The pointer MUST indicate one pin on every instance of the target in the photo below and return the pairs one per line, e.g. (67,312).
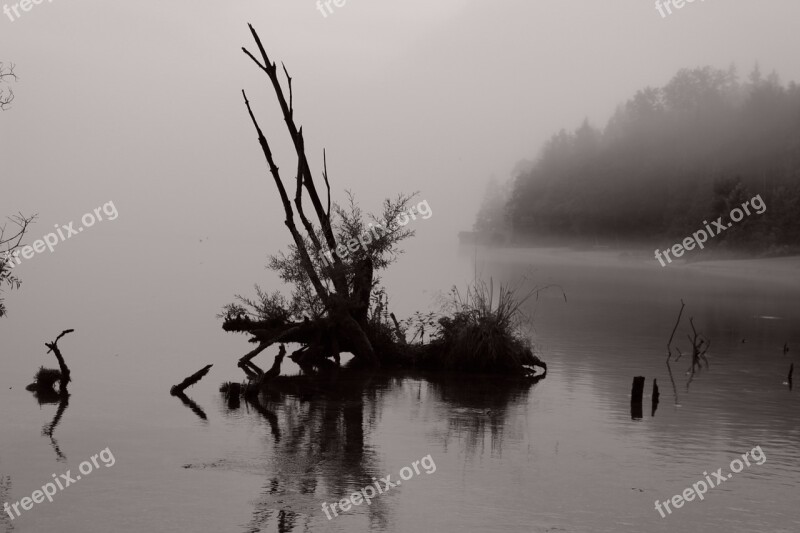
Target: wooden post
(636,397)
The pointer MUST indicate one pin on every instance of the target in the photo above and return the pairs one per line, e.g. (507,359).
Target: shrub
(481,336)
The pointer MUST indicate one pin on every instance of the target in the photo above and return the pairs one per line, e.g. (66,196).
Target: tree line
(668,159)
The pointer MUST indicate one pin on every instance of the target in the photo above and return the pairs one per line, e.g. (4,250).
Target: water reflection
(5,495)
(321,430)
(47,397)
(477,406)
(191,404)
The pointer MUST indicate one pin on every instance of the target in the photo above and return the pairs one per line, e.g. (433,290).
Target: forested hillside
(668,159)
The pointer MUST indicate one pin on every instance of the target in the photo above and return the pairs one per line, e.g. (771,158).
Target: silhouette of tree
(10,241)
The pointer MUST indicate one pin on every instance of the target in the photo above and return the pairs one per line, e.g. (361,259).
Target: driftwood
(47,377)
(53,347)
(191,380)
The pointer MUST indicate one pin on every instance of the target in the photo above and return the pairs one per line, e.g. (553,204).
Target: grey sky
(140,103)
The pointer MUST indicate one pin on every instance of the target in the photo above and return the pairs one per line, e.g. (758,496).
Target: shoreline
(782,270)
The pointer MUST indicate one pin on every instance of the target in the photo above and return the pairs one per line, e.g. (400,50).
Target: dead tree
(342,288)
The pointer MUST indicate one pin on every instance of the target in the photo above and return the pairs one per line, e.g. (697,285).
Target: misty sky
(139,103)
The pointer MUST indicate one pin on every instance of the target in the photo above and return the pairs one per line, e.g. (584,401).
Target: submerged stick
(191,380)
(65,373)
(669,352)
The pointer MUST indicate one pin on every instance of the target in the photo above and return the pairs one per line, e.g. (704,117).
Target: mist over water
(568,444)
(569,138)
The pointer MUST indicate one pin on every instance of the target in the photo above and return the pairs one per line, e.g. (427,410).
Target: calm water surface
(561,455)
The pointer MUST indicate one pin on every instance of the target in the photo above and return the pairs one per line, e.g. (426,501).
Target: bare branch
(327,184)
(291,106)
(6,95)
(301,247)
(296,134)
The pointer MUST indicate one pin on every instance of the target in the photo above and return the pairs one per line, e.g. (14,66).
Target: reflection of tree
(46,397)
(477,405)
(319,450)
(320,431)
(5,490)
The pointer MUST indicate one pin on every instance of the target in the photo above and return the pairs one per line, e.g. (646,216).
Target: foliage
(8,244)
(46,378)
(6,92)
(481,333)
(670,158)
(348,222)
(492,215)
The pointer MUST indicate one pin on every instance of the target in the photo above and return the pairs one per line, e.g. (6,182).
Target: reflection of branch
(48,429)
(188,402)
(669,352)
(5,490)
(271,418)
(699,349)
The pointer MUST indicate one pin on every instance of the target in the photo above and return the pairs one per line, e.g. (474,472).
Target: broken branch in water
(47,377)
(700,346)
(191,380)
(669,352)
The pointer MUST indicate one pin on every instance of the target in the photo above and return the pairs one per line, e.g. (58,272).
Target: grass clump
(45,379)
(483,331)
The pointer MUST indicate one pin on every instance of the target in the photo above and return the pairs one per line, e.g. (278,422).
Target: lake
(563,454)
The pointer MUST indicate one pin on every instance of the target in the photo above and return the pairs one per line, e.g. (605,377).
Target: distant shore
(783,270)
